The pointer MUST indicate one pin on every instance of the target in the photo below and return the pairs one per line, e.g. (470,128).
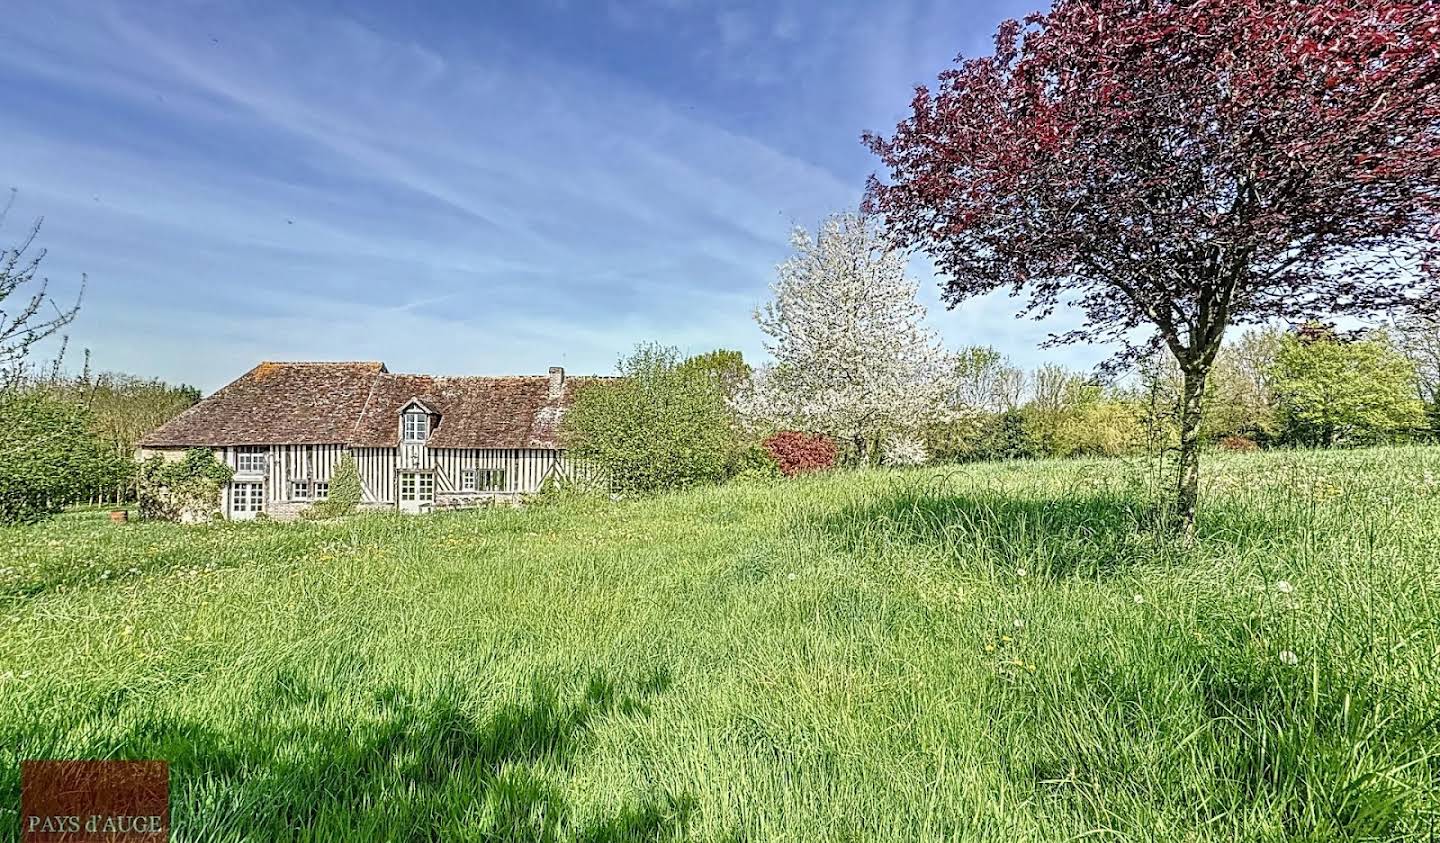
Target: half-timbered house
(420,442)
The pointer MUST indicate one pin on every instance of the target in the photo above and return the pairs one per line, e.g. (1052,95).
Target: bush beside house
(345,491)
(186,490)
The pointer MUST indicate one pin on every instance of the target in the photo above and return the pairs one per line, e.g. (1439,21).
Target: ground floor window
(482,480)
(304,490)
(247,497)
(417,487)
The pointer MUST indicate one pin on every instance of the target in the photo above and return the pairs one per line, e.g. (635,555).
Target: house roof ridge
(379,364)
(475,377)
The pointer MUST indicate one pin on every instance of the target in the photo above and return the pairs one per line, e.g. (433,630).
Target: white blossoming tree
(903,450)
(853,357)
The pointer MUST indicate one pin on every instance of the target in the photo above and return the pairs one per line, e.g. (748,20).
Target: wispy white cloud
(270,181)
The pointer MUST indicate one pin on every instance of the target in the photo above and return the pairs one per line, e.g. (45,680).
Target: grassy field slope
(998,652)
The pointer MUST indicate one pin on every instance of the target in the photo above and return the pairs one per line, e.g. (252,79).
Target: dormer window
(415,426)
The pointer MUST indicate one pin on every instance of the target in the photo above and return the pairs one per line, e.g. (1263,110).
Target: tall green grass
(999,652)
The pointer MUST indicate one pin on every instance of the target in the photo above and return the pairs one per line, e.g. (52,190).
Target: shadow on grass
(1310,753)
(1084,533)
(406,767)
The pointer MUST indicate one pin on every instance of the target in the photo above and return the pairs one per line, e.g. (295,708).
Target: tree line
(1308,386)
(855,367)
(64,439)
(72,439)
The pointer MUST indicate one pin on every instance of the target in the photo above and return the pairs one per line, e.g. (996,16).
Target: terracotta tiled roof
(276,404)
(359,404)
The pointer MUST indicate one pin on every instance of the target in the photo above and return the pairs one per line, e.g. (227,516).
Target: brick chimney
(557,382)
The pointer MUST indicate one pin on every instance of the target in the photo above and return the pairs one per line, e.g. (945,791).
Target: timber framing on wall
(296,421)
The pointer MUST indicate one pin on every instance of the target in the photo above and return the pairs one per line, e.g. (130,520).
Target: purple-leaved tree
(1180,166)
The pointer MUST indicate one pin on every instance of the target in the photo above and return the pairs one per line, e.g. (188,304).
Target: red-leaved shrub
(800,453)
(1238,443)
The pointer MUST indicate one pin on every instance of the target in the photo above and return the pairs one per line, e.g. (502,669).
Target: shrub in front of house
(801,453)
(186,490)
(345,491)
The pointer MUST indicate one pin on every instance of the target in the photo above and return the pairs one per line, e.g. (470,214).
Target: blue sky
(458,187)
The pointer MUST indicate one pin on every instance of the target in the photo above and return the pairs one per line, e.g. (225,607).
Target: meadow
(1010,651)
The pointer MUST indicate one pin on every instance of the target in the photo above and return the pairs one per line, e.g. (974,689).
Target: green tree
(1094,422)
(1053,391)
(663,424)
(985,380)
(725,367)
(345,491)
(122,408)
(1419,338)
(1240,393)
(49,457)
(1333,391)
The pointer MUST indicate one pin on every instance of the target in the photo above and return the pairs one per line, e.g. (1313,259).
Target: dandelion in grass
(1139,598)
(1284,587)
(1019,624)
(1289,657)
(1020,572)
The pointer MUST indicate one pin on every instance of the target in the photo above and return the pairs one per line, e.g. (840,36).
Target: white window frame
(467,480)
(247,497)
(414,426)
(250,459)
(321,491)
(300,490)
(418,486)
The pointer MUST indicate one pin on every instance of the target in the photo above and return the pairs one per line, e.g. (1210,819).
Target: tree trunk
(1192,405)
